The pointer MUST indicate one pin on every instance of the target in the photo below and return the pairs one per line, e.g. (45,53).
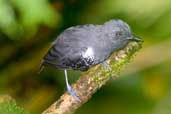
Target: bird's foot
(106,66)
(72,92)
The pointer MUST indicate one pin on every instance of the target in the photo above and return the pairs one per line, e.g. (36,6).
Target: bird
(82,46)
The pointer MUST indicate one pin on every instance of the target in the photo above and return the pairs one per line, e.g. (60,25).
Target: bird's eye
(118,33)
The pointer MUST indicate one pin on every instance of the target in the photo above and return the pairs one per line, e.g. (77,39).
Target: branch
(93,80)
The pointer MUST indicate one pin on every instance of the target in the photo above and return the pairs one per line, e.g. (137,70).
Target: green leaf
(10,107)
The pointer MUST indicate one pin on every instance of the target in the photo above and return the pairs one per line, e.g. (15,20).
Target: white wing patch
(89,53)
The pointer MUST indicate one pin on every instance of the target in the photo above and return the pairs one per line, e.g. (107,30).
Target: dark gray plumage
(83,46)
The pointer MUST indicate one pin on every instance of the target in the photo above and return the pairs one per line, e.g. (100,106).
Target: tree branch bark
(93,80)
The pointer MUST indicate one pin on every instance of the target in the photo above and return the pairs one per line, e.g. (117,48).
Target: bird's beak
(135,39)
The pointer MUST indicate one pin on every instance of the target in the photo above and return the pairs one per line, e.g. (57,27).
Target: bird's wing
(77,36)
(69,46)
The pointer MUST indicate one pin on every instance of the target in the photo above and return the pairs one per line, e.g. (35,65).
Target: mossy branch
(93,79)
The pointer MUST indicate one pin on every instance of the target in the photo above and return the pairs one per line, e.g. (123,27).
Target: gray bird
(83,46)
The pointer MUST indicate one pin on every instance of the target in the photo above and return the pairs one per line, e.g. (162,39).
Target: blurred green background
(27,28)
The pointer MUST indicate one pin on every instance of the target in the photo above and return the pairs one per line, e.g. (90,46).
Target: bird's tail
(41,67)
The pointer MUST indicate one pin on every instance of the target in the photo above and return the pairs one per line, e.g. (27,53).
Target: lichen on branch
(93,79)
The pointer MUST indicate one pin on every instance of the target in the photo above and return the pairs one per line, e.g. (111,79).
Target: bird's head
(119,33)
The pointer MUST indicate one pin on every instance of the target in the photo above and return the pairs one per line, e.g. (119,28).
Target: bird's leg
(106,66)
(69,88)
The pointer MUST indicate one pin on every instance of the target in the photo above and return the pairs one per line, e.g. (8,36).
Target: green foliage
(30,15)
(10,107)
(8,22)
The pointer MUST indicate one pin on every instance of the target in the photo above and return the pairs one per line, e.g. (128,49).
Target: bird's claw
(73,93)
(106,66)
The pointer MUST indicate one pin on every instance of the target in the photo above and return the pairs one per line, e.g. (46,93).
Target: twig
(92,80)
